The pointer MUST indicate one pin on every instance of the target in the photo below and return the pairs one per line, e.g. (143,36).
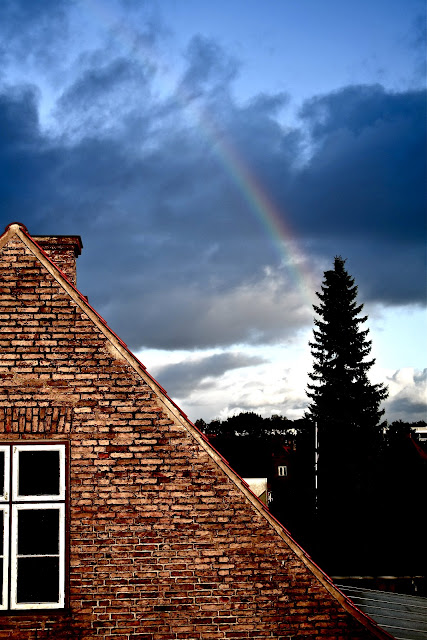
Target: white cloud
(407,395)
(271,380)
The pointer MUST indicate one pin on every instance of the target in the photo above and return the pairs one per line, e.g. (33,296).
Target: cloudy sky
(215,157)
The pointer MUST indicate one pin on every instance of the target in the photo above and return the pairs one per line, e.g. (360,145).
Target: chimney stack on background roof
(63,251)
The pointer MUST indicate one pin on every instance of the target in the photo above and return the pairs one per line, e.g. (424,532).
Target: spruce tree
(342,396)
(346,409)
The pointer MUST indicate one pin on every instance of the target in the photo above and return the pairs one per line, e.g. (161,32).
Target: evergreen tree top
(341,391)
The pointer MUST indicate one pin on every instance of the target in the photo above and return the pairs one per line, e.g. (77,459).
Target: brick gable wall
(163,544)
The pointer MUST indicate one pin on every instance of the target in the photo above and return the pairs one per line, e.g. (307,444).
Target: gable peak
(14,226)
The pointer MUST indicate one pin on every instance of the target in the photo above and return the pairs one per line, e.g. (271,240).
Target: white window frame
(15,479)
(282,470)
(11,503)
(4,507)
(14,556)
(6,486)
(4,577)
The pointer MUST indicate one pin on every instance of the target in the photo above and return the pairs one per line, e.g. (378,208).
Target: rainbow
(270,217)
(265,210)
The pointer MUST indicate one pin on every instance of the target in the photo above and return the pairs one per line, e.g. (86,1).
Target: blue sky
(215,157)
(308,47)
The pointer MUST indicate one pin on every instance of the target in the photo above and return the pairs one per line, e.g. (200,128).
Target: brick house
(119,518)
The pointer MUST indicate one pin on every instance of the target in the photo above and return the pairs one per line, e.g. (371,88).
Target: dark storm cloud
(27,162)
(183,377)
(174,253)
(363,190)
(97,90)
(367,173)
(19,120)
(191,315)
(406,406)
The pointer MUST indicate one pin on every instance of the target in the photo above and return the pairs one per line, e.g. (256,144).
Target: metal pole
(316,459)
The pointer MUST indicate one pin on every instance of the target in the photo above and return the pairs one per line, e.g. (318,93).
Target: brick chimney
(63,251)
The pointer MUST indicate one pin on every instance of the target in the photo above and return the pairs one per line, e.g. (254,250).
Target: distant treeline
(254,425)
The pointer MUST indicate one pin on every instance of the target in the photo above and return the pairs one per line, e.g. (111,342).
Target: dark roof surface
(404,617)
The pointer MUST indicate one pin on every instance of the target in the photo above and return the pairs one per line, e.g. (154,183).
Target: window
(282,470)
(32,517)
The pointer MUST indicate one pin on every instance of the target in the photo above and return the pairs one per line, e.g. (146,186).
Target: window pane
(38,531)
(38,580)
(1,535)
(1,473)
(38,473)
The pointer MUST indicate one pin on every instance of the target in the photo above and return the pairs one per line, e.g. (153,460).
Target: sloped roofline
(175,413)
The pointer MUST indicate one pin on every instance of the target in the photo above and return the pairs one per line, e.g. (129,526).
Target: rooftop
(402,616)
